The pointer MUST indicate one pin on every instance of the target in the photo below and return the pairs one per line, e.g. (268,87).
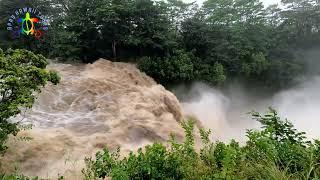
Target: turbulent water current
(108,104)
(95,105)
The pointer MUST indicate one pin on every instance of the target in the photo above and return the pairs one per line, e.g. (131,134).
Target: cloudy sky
(266,2)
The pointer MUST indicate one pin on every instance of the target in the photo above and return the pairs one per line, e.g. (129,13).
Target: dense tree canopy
(175,41)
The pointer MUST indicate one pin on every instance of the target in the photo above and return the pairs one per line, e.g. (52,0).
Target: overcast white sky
(266,2)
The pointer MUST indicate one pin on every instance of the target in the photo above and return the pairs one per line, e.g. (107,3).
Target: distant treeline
(178,42)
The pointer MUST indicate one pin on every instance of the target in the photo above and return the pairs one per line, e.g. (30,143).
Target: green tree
(21,74)
(176,68)
(300,22)
(178,12)
(79,27)
(249,41)
(115,22)
(152,33)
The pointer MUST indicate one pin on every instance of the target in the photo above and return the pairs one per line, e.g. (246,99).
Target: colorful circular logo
(27,21)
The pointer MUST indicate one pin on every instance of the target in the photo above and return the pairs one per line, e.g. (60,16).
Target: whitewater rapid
(109,104)
(104,104)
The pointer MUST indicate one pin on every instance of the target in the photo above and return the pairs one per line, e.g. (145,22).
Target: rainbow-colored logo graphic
(27,22)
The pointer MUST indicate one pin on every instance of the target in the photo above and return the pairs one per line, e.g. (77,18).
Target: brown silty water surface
(96,105)
(113,104)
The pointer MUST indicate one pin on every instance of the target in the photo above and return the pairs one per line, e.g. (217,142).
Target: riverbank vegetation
(174,41)
(277,151)
(22,74)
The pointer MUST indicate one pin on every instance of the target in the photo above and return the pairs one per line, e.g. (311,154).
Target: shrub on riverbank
(277,151)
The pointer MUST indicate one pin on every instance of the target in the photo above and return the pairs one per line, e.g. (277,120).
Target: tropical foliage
(22,73)
(220,40)
(277,151)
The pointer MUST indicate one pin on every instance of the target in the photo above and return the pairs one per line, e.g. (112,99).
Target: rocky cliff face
(95,105)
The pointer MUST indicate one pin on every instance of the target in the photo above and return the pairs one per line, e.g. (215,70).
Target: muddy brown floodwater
(114,104)
(95,105)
